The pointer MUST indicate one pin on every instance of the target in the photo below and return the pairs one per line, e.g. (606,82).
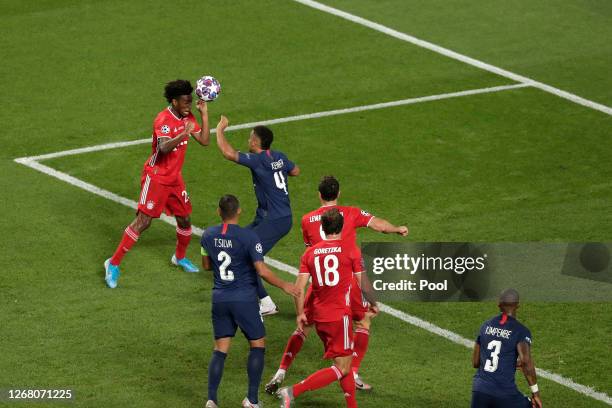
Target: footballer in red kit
(331,263)
(162,185)
(361,310)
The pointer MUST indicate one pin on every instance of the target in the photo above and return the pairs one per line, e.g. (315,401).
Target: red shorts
(359,306)
(156,198)
(337,337)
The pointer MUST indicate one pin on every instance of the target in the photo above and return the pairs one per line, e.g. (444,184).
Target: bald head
(508,301)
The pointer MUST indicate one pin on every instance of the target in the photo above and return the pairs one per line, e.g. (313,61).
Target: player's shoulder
(164,114)
(310,214)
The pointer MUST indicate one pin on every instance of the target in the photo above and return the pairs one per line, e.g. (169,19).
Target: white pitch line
(295,118)
(413,320)
(455,55)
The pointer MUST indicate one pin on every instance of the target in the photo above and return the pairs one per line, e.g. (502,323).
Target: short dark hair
(228,206)
(332,221)
(329,188)
(509,297)
(175,89)
(265,135)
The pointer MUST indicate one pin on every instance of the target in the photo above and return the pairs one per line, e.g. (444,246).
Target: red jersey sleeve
(162,127)
(361,218)
(357,260)
(304,263)
(305,233)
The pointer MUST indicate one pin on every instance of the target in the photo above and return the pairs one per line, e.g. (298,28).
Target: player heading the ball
(162,185)
(235,255)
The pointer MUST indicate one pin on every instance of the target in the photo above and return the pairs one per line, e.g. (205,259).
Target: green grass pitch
(517,165)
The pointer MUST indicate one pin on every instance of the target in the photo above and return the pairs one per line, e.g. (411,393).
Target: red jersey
(353,218)
(166,168)
(331,264)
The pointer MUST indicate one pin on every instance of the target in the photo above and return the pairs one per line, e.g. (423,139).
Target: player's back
(233,251)
(353,218)
(270,171)
(331,264)
(498,340)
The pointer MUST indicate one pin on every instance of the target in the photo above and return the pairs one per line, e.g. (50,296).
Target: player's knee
(141,223)
(183,222)
(344,367)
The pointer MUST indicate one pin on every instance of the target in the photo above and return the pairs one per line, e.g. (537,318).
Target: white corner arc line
(455,55)
(295,118)
(413,320)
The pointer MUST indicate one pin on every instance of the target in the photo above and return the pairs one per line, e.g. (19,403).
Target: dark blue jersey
(498,340)
(233,250)
(269,170)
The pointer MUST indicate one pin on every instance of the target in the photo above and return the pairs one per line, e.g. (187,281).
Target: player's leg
(293,347)
(481,400)
(362,320)
(224,328)
(247,317)
(152,200)
(180,205)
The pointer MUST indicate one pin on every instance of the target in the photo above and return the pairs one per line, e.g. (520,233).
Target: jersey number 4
(225,260)
(279,179)
(492,363)
(330,264)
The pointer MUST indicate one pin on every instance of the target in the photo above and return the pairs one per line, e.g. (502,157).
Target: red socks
(320,379)
(348,386)
(294,345)
(183,237)
(360,347)
(129,239)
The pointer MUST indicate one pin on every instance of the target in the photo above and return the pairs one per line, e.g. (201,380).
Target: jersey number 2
(225,260)
(491,364)
(330,263)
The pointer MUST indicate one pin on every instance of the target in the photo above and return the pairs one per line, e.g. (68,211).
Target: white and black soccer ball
(208,88)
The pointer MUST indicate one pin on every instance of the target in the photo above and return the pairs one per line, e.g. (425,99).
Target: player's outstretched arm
(529,370)
(295,171)
(203,136)
(476,356)
(226,148)
(269,276)
(166,144)
(384,226)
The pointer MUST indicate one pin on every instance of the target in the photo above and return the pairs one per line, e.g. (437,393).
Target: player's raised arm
(270,277)
(524,351)
(203,136)
(384,226)
(226,148)
(167,144)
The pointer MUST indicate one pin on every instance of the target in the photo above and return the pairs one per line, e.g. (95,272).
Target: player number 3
(330,263)
(491,364)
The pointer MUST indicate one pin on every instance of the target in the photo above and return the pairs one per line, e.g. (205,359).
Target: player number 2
(225,260)
(330,263)
(491,364)
(279,179)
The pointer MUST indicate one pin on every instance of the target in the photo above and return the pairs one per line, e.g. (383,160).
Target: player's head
(229,207)
(178,94)
(508,301)
(260,139)
(329,188)
(332,222)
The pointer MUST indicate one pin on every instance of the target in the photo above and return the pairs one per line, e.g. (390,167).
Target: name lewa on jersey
(497,332)
(223,243)
(317,218)
(329,250)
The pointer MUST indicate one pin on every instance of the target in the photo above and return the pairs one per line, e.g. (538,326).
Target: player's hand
(202,107)
(374,310)
(301,321)
(403,231)
(536,402)
(223,123)
(189,126)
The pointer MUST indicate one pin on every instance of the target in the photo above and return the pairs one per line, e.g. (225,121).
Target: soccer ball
(208,88)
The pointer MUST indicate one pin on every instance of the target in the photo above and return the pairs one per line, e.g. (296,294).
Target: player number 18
(330,263)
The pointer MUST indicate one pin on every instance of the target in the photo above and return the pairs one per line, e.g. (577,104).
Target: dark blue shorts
(270,231)
(228,316)
(482,400)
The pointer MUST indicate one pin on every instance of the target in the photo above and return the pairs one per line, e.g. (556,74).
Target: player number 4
(225,260)
(491,364)
(279,179)
(330,263)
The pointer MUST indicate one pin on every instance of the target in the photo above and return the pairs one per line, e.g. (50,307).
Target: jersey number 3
(330,264)
(225,260)
(491,364)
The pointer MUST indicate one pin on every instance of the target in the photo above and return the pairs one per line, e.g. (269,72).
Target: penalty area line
(295,118)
